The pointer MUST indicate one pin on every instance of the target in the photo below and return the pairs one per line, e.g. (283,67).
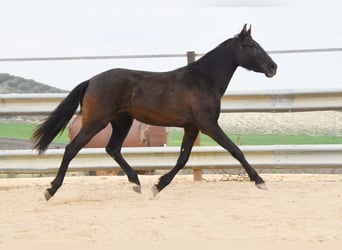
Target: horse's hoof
(137,188)
(154,191)
(47,195)
(261,186)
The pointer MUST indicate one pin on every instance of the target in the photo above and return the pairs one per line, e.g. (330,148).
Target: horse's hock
(140,135)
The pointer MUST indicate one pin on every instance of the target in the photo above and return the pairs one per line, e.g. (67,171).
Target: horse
(188,97)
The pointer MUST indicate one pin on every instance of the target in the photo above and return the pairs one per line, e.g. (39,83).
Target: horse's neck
(217,67)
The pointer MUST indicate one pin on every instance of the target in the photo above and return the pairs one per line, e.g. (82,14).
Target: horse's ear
(244,30)
(249,31)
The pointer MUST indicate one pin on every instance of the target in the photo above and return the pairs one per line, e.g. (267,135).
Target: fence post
(191,57)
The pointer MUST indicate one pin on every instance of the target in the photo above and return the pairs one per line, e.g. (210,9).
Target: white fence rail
(212,157)
(282,101)
(256,101)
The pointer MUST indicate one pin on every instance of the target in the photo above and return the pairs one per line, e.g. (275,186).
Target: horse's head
(250,55)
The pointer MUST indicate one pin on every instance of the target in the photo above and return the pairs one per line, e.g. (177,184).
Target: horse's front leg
(214,131)
(190,135)
(121,126)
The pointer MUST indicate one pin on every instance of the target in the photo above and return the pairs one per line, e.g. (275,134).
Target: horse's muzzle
(271,70)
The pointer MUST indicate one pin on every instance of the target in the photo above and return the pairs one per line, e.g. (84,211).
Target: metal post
(191,57)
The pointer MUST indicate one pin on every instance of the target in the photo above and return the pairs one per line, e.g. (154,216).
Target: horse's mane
(225,43)
(212,54)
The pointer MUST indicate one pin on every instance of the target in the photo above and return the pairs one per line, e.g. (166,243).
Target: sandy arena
(104,211)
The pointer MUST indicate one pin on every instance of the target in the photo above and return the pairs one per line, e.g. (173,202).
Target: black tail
(57,121)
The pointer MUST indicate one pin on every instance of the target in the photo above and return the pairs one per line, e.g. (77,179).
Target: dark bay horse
(187,97)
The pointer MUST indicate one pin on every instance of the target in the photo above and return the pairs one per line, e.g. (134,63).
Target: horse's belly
(161,118)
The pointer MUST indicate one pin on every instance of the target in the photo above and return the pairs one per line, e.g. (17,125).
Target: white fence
(290,156)
(270,157)
(256,101)
(213,157)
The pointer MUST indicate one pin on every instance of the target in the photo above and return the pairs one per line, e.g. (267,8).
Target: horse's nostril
(271,70)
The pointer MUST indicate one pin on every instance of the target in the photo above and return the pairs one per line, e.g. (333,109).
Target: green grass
(24,131)
(246,139)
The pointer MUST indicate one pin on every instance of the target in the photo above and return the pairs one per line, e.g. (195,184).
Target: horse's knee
(112,151)
(108,150)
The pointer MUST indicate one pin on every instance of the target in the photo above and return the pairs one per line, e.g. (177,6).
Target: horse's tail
(57,121)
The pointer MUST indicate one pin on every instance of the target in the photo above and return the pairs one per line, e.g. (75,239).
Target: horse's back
(121,80)
(156,98)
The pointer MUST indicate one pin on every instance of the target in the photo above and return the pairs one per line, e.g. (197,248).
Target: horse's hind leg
(121,125)
(71,150)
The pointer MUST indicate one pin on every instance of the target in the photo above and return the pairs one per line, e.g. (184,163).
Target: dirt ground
(296,211)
